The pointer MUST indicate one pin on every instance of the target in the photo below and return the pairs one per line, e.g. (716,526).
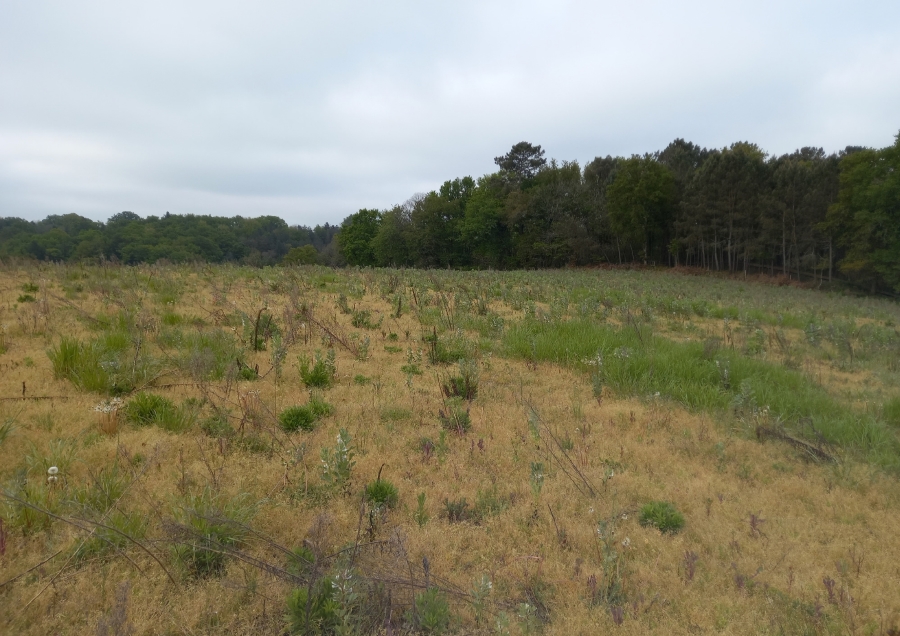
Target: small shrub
(217,426)
(318,374)
(430,612)
(455,418)
(362,319)
(464,385)
(337,463)
(147,409)
(304,418)
(381,494)
(891,411)
(661,515)
(207,526)
(30,288)
(111,536)
(457,510)
(315,612)
(361,380)
(26,298)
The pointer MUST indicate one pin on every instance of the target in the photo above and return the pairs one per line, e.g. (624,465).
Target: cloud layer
(311,112)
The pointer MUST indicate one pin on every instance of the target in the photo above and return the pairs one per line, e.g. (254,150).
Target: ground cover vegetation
(240,450)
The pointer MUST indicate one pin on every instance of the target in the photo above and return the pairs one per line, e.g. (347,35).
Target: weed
(319,374)
(430,612)
(304,418)
(217,425)
(457,510)
(313,609)
(381,494)
(337,463)
(464,385)
(206,527)
(455,418)
(114,535)
(661,515)
(146,409)
(421,514)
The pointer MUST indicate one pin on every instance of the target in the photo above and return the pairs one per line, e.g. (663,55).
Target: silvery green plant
(337,463)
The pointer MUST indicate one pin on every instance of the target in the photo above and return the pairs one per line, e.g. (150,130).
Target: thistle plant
(537,478)
(337,463)
(481,589)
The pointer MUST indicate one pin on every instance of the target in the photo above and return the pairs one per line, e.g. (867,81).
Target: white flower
(51,479)
(624,515)
(52,470)
(626,542)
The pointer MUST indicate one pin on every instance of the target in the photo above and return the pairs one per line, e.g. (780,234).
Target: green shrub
(149,409)
(112,536)
(102,492)
(107,364)
(381,494)
(318,374)
(315,613)
(25,298)
(455,419)
(207,526)
(891,411)
(30,288)
(464,385)
(430,612)
(661,515)
(217,425)
(304,418)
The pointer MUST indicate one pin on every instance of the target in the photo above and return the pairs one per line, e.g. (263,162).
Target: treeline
(807,215)
(130,239)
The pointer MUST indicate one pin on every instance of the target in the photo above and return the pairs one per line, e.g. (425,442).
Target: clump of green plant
(381,494)
(362,319)
(112,536)
(456,418)
(206,527)
(304,417)
(105,488)
(661,515)
(30,288)
(430,612)
(445,350)
(26,298)
(217,425)
(26,511)
(313,609)
(148,409)
(891,411)
(320,373)
(260,330)
(464,385)
(421,515)
(6,429)
(337,463)
(110,364)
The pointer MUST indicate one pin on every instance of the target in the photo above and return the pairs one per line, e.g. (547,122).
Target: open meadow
(227,450)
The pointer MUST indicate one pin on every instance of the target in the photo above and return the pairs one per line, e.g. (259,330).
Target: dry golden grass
(815,522)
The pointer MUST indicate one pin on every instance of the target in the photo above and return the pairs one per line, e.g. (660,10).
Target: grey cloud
(313,110)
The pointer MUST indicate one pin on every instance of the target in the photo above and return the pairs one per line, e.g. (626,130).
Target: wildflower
(51,479)
(53,470)
(626,542)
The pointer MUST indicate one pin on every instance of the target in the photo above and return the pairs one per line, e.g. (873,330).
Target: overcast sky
(310,111)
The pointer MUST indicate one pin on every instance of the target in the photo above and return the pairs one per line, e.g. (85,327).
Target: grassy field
(222,450)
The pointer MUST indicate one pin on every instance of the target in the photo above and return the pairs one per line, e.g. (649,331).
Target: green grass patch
(636,362)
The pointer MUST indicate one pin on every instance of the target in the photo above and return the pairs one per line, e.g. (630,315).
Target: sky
(311,111)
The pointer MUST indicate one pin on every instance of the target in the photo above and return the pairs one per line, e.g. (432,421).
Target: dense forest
(805,215)
(130,239)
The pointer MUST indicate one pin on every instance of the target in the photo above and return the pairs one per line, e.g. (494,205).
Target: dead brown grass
(812,522)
